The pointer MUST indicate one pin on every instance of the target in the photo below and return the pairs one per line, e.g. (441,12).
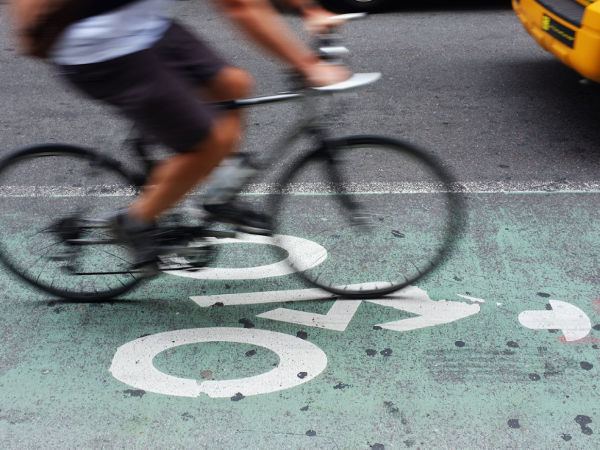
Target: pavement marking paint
(411,299)
(467,187)
(337,318)
(307,254)
(487,375)
(256,298)
(430,313)
(132,363)
(572,321)
(472,299)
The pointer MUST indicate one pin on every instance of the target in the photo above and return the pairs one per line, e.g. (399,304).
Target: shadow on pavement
(435,5)
(566,106)
(446,5)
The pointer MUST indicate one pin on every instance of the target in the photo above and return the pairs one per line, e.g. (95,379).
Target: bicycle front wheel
(45,191)
(385,211)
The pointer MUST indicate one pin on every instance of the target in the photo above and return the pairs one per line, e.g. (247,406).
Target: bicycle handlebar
(329,48)
(328,45)
(349,16)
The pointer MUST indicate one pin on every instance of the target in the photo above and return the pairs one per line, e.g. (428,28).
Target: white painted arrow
(337,318)
(430,313)
(572,321)
(411,299)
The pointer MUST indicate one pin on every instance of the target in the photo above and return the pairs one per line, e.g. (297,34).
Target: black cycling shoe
(142,238)
(242,215)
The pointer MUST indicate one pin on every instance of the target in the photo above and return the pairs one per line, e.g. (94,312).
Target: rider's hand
(320,74)
(318,20)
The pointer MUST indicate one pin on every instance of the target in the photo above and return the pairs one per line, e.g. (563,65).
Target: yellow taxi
(569,29)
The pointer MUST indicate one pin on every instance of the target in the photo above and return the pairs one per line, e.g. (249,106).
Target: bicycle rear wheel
(50,187)
(386,212)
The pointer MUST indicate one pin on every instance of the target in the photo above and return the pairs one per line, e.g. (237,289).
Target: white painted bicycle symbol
(133,362)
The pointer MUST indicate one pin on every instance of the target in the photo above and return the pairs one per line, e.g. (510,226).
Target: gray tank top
(126,30)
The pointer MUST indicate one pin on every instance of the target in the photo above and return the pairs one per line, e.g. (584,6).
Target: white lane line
(105,190)
(468,187)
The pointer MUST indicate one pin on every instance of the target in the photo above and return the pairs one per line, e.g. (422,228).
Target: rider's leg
(155,89)
(177,175)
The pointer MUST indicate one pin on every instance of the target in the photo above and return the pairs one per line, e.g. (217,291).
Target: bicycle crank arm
(93,241)
(141,271)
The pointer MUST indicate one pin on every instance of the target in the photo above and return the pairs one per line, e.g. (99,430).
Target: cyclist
(161,76)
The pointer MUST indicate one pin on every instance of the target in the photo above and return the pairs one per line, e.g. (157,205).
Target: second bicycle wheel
(385,212)
(45,191)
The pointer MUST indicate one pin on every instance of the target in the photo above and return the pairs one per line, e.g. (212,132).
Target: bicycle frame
(311,123)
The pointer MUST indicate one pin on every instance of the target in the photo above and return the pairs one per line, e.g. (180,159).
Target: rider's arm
(266,27)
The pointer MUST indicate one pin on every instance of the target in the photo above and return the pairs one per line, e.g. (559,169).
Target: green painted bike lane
(499,348)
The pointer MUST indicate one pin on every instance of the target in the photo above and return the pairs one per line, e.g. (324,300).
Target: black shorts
(157,88)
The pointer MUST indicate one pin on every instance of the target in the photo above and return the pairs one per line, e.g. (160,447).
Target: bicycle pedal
(256,231)
(62,257)
(173,267)
(148,271)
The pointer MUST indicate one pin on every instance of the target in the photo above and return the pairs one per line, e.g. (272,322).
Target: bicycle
(398,230)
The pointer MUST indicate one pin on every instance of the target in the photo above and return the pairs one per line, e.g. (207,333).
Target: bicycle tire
(400,231)
(69,180)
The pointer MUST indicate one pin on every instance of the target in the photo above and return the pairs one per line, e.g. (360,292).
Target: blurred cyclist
(132,55)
